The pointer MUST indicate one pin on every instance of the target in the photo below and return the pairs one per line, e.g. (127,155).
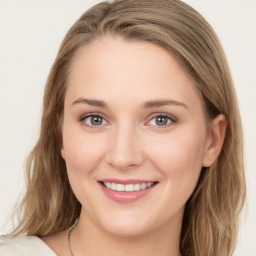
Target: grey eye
(160,121)
(94,120)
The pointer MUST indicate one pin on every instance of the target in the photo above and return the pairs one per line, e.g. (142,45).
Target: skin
(130,144)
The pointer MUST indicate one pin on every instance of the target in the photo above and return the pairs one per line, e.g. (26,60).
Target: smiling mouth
(128,187)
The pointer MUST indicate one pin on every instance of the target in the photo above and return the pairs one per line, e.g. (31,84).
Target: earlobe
(215,142)
(60,132)
(62,151)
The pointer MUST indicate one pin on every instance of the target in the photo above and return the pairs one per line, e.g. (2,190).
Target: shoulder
(24,246)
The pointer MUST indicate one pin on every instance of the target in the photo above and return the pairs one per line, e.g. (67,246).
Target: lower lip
(125,197)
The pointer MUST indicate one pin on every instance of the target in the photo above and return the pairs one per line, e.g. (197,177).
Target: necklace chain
(69,234)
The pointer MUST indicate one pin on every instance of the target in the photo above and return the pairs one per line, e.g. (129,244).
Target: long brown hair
(211,215)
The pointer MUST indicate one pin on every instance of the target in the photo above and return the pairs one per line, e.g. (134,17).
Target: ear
(62,151)
(60,134)
(215,140)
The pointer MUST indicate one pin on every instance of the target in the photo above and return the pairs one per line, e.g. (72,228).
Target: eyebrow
(160,103)
(147,104)
(92,102)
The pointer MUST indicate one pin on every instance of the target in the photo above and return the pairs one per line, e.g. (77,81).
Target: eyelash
(82,119)
(172,120)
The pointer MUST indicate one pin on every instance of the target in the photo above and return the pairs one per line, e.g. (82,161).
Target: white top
(24,246)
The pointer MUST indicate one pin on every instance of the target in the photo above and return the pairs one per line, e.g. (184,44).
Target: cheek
(179,158)
(82,152)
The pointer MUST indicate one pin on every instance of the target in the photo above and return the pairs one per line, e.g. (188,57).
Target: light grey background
(30,34)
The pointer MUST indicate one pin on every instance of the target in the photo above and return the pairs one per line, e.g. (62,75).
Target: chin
(127,229)
(132,223)
(124,222)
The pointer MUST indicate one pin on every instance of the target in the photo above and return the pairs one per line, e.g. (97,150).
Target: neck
(87,238)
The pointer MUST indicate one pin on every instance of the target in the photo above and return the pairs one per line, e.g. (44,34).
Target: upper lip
(128,181)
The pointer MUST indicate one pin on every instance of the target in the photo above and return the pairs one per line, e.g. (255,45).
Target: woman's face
(133,121)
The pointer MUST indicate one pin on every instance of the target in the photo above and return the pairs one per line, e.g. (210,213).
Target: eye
(161,120)
(93,120)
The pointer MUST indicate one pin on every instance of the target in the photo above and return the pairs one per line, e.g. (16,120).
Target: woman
(140,150)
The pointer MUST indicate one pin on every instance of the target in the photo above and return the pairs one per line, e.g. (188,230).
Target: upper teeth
(127,187)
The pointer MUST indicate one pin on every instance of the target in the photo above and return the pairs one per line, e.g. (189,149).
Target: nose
(125,148)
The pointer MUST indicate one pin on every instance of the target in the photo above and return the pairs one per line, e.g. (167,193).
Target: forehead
(113,68)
